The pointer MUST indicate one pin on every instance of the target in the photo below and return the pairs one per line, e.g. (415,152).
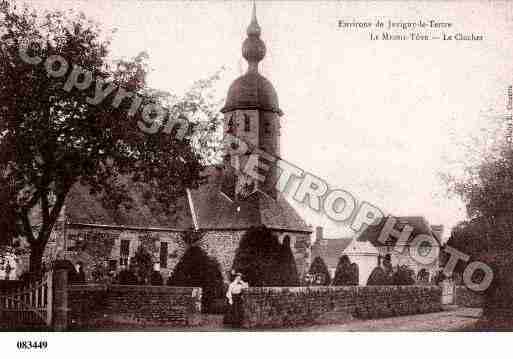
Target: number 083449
(28,344)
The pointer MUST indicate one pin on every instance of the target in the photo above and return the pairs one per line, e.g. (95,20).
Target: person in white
(234,295)
(236,288)
(13,269)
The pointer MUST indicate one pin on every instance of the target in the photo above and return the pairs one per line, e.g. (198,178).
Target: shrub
(346,272)
(99,272)
(403,276)
(499,295)
(423,276)
(319,271)
(142,265)
(264,261)
(438,277)
(156,278)
(287,269)
(127,277)
(378,277)
(197,269)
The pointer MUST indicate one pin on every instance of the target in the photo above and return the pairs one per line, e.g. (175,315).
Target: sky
(379,119)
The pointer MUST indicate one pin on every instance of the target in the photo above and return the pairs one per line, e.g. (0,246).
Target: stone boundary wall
(97,306)
(468,298)
(293,306)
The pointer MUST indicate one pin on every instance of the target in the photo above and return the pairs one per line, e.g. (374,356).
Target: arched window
(247,123)
(286,241)
(231,125)
(267,127)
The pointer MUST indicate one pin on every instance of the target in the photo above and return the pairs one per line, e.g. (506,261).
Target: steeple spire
(254,28)
(253,48)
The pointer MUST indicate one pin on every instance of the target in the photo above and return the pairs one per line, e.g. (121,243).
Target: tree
(56,132)
(481,175)
(263,261)
(319,271)
(485,185)
(346,272)
(156,278)
(403,275)
(473,238)
(378,277)
(197,269)
(9,226)
(287,269)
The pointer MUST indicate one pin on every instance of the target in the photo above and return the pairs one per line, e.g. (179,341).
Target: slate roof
(357,247)
(419,224)
(213,209)
(82,207)
(216,211)
(252,91)
(330,249)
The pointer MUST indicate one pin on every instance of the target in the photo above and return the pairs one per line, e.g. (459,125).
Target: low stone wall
(468,298)
(97,306)
(293,306)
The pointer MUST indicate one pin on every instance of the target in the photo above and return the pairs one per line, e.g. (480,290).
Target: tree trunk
(36,258)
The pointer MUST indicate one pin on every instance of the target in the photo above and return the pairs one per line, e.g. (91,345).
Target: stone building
(213,217)
(367,252)
(364,254)
(329,249)
(401,254)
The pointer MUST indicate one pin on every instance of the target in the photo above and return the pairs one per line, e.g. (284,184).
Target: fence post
(49,297)
(59,297)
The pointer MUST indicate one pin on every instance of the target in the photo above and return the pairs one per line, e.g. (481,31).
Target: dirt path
(451,320)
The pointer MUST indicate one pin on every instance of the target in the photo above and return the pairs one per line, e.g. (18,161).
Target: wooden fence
(28,306)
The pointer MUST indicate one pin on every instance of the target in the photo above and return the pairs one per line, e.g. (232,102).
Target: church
(213,217)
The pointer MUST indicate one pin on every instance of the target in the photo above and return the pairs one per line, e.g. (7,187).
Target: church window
(247,124)
(163,254)
(286,241)
(267,127)
(112,265)
(124,252)
(231,125)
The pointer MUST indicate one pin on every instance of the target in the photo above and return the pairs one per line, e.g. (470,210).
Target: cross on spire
(253,48)
(254,28)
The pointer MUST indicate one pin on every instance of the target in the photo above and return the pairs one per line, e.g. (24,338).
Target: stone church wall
(95,247)
(223,245)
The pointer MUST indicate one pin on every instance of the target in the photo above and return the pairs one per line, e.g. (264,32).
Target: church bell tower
(252,114)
